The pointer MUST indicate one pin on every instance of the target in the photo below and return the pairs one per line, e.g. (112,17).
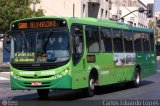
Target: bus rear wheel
(137,79)
(43,93)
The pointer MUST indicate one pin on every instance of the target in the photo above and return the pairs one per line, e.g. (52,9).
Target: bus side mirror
(6,39)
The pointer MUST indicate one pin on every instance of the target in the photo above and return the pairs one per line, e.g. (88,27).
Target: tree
(11,10)
(151,24)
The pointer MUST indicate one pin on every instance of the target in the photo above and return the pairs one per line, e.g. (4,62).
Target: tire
(43,93)
(91,88)
(137,79)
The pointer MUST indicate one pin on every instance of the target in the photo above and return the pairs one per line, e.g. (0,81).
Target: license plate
(36,83)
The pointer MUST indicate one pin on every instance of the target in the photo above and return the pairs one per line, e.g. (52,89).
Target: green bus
(49,53)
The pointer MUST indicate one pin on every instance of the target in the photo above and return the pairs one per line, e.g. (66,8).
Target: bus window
(117,40)
(77,39)
(145,41)
(128,41)
(106,40)
(137,42)
(92,39)
(152,41)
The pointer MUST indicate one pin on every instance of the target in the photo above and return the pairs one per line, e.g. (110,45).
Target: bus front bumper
(64,82)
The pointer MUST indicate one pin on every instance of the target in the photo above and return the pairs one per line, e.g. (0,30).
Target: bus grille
(32,77)
(39,67)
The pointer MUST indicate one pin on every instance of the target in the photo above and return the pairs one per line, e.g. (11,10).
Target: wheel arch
(94,73)
(139,67)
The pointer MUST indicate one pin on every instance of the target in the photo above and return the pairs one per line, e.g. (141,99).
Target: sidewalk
(4,76)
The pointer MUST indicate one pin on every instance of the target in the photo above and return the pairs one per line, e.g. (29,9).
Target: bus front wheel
(43,93)
(91,86)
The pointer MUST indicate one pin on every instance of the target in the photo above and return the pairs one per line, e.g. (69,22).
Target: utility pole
(155,22)
(73,10)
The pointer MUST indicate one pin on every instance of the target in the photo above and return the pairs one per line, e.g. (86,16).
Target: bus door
(78,57)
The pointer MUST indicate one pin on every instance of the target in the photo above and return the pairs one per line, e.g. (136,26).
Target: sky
(157,3)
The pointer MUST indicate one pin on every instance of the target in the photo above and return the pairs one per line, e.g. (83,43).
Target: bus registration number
(36,83)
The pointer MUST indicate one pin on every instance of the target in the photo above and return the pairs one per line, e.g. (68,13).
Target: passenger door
(78,57)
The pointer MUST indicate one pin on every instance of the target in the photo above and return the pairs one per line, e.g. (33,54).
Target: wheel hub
(137,78)
(92,84)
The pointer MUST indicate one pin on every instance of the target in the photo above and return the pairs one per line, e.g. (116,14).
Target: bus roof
(92,21)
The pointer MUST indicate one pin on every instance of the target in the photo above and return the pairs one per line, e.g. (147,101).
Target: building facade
(157,14)
(76,8)
(123,7)
(148,1)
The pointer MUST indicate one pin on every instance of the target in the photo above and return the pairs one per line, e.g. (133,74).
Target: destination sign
(31,24)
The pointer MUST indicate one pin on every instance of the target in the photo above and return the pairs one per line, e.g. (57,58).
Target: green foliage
(11,10)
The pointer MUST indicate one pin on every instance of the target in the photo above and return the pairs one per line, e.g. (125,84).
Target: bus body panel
(147,63)
(59,78)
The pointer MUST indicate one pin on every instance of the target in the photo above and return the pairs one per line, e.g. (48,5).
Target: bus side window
(145,40)
(106,40)
(77,42)
(137,42)
(128,41)
(92,39)
(117,40)
(152,41)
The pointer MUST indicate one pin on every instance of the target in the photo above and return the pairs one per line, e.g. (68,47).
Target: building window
(130,23)
(102,13)
(106,14)
(84,10)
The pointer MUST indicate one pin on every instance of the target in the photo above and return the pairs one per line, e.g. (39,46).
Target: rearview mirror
(6,38)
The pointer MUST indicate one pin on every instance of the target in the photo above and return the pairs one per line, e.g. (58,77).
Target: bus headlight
(15,76)
(66,70)
(59,75)
(11,72)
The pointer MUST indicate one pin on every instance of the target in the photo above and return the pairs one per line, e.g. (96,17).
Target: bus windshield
(39,46)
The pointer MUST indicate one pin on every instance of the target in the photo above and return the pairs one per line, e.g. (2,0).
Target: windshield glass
(40,46)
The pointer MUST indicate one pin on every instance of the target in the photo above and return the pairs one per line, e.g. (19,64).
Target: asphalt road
(149,90)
